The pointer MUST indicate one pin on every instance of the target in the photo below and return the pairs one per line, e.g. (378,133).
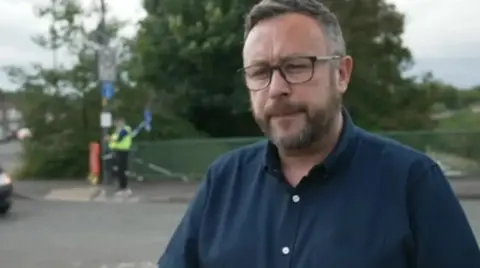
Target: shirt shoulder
(393,155)
(245,157)
(232,175)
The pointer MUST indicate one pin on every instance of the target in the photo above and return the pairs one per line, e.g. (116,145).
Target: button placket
(286,249)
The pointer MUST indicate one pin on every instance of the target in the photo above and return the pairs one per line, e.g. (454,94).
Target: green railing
(458,153)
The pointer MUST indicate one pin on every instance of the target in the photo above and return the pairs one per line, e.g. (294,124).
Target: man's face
(119,124)
(294,116)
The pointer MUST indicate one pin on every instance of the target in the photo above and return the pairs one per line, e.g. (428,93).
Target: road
(472,208)
(46,234)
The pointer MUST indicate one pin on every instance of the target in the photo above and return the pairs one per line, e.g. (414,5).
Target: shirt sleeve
(442,235)
(182,250)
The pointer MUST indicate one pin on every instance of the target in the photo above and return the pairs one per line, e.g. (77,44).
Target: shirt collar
(338,158)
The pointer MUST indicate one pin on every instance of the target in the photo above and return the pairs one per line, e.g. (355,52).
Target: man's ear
(344,73)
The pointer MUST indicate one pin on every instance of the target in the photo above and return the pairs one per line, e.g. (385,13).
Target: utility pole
(105,109)
(106,60)
(102,40)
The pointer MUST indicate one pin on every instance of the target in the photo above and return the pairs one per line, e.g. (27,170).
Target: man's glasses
(294,71)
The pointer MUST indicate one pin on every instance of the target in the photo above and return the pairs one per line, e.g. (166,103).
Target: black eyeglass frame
(278,67)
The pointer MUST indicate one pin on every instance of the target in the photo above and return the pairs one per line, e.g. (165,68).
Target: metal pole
(102,40)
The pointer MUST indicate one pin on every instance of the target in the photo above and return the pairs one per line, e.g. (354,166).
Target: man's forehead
(283,36)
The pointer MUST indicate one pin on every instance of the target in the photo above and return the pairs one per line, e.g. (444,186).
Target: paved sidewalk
(31,189)
(161,191)
(164,191)
(82,191)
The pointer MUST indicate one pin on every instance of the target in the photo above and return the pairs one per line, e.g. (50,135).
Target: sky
(443,35)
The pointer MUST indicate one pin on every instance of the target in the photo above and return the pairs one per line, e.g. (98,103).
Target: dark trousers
(121,161)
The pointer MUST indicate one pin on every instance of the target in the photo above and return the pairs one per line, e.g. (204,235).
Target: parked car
(6,187)
(6,192)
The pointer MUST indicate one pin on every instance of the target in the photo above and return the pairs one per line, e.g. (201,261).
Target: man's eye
(258,73)
(296,66)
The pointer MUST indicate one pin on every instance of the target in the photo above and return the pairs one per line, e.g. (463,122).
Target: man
(321,192)
(120,142)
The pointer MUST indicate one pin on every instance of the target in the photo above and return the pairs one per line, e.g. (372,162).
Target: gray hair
(267,9)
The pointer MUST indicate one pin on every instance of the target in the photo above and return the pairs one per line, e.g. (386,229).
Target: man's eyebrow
(295,55)
(257,62)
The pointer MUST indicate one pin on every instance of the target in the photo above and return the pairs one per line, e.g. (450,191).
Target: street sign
(107,89)
(106,119)
(147,115)
(107,64)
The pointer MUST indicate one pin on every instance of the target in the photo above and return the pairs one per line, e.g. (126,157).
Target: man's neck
(317,153)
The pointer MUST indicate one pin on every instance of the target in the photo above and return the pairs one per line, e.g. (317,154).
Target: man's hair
(267,9)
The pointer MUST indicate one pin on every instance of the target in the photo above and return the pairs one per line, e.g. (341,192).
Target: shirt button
(295,198)
(285,250)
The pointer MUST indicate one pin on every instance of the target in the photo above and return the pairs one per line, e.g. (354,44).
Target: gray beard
(301,141)
(318,127)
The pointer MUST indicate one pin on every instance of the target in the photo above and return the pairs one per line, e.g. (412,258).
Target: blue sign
(107,90)
(147,115)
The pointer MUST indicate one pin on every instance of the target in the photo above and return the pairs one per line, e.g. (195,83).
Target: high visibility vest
(123,145)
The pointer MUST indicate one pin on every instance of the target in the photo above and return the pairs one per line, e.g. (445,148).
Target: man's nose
(278,85)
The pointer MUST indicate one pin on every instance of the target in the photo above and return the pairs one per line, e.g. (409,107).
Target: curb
(75,194)
(45,196)
(170,199)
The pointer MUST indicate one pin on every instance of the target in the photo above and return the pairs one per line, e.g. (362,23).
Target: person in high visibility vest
(120,143)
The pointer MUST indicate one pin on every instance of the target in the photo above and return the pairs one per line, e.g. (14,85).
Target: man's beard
(317,127)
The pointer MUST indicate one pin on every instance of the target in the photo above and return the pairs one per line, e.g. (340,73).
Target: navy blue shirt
(373,203)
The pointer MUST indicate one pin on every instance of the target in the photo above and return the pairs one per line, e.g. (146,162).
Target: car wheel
(4,209)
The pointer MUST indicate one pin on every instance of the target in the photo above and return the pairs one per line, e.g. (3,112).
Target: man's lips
(288,117)
(290,114)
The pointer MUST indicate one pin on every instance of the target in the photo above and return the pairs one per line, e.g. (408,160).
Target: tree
(61,104)
(191,50)
(379,97)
